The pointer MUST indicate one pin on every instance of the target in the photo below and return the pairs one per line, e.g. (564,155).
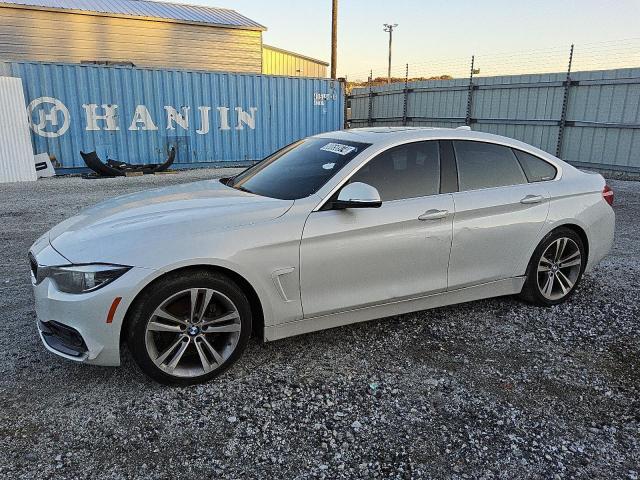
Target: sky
(440,36)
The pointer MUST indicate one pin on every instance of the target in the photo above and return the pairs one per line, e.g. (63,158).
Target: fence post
(467,120)
(345,107)
(406,94)
(565,101)
(369,118)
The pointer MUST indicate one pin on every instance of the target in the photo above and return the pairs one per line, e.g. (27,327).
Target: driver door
(355,258)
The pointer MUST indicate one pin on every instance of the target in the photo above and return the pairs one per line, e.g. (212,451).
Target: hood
(170,212)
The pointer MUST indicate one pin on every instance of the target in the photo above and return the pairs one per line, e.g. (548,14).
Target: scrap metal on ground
(114,168)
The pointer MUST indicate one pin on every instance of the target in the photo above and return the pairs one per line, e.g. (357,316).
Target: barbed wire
(610,54)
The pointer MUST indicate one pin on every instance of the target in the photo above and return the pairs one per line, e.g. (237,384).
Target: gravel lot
(491,389)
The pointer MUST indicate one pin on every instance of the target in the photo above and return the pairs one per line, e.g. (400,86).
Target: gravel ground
(491,389)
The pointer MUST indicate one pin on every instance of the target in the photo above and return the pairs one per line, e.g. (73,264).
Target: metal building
(140,33)
(276,61)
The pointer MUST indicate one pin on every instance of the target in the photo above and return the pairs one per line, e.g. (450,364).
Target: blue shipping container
(136,115)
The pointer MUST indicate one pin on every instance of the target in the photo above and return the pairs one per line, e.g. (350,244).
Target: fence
(591,119)
(136,115)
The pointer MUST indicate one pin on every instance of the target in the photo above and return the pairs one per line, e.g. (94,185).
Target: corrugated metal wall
(276,61)
(602,119)
(599,105)
(208,116)
(16,154)
(39,35)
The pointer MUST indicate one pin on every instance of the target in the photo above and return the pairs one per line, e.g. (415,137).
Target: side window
(406,171)
(536,169)
(485,165)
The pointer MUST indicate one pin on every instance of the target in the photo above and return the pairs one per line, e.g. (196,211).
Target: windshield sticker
(328,166)
(338,148)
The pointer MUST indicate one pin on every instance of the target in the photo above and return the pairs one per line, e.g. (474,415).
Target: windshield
(298,170)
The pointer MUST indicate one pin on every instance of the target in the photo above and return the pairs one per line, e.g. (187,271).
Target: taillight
(607,194)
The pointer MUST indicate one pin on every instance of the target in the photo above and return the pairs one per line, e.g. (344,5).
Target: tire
(189,327)
(545,267)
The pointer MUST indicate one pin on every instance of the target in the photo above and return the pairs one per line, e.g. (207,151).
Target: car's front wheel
(189,327)
(555,268)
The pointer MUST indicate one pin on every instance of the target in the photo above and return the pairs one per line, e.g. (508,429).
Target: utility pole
(388,27)
(334,38)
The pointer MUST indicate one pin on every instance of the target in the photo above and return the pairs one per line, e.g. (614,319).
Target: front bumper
(77,326)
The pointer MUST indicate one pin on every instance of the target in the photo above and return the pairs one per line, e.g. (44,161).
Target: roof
(294,54)
(176,12)
(388,136)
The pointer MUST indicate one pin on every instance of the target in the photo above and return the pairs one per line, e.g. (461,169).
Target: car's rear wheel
(555,268)
(189,328)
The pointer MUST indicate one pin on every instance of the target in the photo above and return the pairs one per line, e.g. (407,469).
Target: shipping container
(136,115)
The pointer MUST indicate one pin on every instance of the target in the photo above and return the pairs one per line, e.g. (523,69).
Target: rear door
(358,257)
(499,214)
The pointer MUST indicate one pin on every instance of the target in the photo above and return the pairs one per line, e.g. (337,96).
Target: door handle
(532,199)
(433,214)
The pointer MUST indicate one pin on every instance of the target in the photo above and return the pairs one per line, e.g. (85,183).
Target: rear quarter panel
(576,199)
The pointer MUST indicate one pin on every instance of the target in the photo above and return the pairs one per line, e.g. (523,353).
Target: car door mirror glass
(357,195)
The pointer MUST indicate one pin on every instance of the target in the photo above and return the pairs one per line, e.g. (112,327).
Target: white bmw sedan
(333,229)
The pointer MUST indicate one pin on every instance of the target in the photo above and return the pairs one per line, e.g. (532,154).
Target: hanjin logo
(45,117)
(50,118)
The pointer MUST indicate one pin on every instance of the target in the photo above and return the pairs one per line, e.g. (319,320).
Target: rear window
(298,170)
(536,169)
(486,165)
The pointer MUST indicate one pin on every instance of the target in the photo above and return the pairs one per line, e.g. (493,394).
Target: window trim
(448,159)
(329,197)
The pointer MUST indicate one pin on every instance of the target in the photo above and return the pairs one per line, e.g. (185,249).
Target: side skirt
(509,286)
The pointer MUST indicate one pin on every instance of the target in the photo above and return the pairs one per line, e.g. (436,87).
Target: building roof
(146,9)
(289,52)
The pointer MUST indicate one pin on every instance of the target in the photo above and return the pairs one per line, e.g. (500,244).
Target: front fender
(262,291)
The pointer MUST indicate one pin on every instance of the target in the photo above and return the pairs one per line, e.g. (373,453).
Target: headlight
(83,278)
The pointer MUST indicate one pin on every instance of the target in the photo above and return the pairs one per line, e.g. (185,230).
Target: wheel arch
(257,311)
(579,230)
(527,292)
(581,233)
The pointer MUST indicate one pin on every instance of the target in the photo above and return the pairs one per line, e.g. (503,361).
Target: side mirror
(357,195)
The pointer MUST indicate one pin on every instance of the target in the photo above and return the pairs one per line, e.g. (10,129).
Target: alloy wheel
(559,268)
(193,332)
